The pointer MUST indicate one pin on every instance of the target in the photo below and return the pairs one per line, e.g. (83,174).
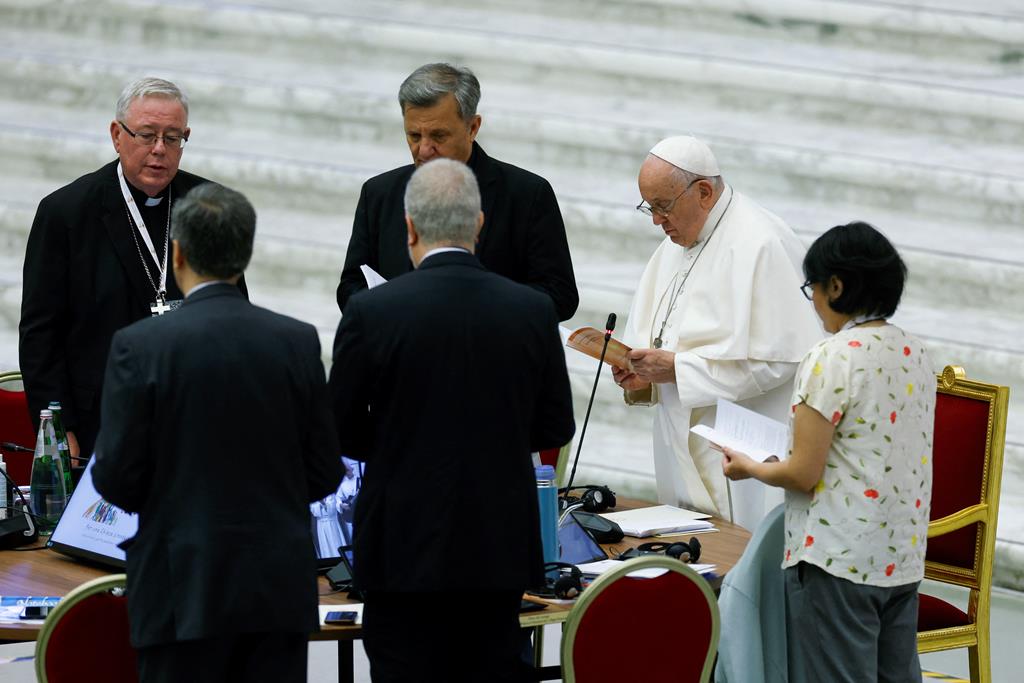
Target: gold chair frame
(572,622)
(102,584)
(974,636)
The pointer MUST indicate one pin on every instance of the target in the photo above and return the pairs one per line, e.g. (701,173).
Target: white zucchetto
(688,153)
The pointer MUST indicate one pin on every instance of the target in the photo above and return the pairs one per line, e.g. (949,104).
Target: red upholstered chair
(85,637)
(16,426)
(655,630)
(557,458)
(967,465)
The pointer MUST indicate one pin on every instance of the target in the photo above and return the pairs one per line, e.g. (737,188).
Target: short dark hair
(215,227)
(871,270)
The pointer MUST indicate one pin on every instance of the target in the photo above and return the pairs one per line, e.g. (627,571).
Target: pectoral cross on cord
(159,307)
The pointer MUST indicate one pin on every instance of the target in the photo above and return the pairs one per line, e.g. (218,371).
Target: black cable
(22,511)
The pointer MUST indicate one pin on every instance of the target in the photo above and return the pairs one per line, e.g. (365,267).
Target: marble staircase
(908,114)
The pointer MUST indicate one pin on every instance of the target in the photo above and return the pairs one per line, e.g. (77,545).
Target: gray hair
(443,200)
(429,83)
(215,227)
(148,87)
(681,175)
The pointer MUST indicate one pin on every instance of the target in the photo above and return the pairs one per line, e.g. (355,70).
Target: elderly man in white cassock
(718,314)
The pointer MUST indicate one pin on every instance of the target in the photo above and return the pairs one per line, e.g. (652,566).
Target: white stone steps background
(906,114)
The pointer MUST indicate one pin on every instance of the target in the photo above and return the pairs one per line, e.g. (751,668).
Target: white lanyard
(140,225)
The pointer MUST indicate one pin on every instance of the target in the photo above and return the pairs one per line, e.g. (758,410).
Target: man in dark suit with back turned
(217,431)
(523,237)
(444,381)
(97,257)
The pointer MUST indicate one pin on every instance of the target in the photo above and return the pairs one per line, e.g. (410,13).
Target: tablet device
(576,544)
(91,528)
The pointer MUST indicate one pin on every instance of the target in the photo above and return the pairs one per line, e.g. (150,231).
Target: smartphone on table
(341,618)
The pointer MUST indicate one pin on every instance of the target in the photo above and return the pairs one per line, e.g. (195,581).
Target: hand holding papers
(659,519)
(746,431)
(590,341)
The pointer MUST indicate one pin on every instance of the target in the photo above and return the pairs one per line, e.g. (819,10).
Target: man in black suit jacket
(217,431)
(523,237)
(444,381)
(88,268)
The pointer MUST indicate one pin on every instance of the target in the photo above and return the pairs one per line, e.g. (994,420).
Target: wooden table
(45,572)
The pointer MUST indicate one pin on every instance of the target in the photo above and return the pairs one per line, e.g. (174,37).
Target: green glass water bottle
(63,447)
(49,496)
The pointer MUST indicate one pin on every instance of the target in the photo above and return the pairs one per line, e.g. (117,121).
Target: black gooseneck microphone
(11,446)
(609,327)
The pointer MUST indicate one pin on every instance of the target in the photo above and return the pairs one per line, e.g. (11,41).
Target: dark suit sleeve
(549,265)
(360,250)
(553,424)
(350,386)
(320,442)
(124,467)
(44,329)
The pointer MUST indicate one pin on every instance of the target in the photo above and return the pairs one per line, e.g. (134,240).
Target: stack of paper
(660,519)
(591,569)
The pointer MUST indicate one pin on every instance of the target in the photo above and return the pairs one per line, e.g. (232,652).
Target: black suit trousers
(444,637)
(278,657)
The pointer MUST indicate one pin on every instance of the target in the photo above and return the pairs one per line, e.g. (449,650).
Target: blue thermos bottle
(547,499)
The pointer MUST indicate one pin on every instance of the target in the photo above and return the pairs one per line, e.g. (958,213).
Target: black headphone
(566,586)
(684,552)
(594,498)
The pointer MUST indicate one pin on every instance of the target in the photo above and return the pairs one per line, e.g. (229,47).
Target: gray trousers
(840,631)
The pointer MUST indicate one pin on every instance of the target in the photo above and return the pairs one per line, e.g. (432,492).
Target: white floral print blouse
(867,519)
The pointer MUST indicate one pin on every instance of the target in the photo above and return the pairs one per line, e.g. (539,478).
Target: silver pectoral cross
(159,307)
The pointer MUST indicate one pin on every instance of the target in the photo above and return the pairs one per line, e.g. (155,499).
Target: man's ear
(474,126)
(414,237)
(177,255)
(115,135)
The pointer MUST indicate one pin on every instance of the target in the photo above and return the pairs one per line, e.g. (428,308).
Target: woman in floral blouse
(858,476)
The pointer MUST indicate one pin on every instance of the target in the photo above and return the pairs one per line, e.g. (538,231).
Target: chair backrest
(85,637)
(557,458)
(16,426)
(967,467)
(654,630)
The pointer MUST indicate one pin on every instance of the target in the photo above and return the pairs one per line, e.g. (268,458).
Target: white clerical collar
(153,201)
(714,217)
(441,250)
(201,285)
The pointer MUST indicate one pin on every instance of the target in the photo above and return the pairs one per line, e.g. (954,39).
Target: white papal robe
(739,328)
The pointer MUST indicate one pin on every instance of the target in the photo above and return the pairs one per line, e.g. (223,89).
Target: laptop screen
(577,546)
(91,528)
(331,518)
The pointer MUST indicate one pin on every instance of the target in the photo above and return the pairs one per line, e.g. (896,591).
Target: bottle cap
(45,413)
(544,473)
(54,405)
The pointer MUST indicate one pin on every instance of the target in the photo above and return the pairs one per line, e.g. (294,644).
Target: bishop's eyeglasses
(149,139)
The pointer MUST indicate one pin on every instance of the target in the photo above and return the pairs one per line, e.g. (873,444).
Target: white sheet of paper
(744,430)
(658,519)
(601,566)
(373,278)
